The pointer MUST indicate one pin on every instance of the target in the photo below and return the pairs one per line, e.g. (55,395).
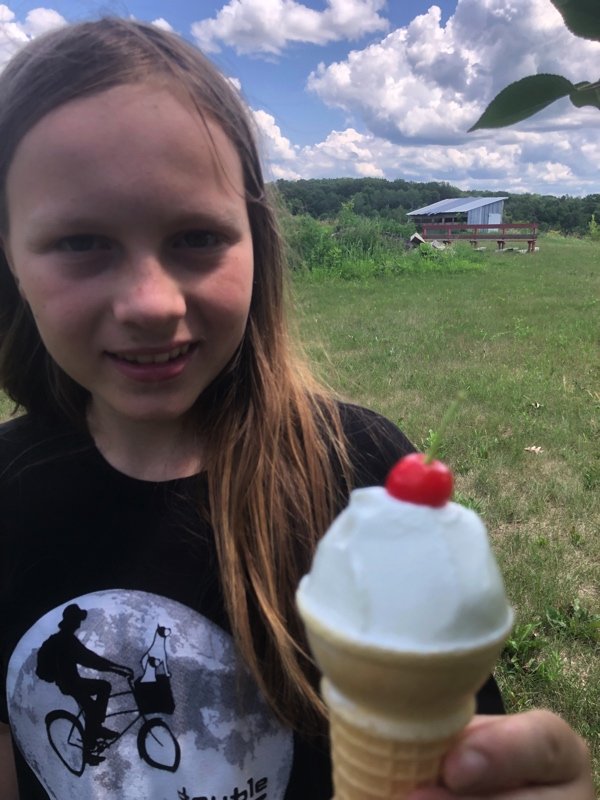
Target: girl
(176,463)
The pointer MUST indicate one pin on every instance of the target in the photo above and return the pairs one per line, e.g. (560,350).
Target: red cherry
(413,480)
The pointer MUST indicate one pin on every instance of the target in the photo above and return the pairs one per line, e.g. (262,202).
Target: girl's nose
(147,293)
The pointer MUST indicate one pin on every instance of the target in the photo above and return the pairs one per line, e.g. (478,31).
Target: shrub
(594,229)
(310,243)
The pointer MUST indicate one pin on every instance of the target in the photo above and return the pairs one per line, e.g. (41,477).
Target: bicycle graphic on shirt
(156,744)
(81,739)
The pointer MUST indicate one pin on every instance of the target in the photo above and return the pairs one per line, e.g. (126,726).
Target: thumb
(503,753)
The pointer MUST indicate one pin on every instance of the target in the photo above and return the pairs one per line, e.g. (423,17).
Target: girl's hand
(531,756)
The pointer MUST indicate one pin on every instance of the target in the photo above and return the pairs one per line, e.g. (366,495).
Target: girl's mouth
(153,366)
(155,358)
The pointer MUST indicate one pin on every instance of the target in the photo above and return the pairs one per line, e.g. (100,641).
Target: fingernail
(466,770)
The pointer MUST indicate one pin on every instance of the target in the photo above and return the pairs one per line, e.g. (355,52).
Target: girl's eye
(82,243)
(197,239)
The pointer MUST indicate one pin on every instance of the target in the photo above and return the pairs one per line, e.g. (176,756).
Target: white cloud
(353,144)
(369,170)
(346,152)
(428,82)
(163,24)
(14,34)
(505,164)
(277,172)
(40,20)
(410,96)
(277,146)
(268,26)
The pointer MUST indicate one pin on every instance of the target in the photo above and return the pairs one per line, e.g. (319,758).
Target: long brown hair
(275,452)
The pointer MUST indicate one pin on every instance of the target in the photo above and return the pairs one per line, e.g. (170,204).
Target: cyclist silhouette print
(121,693)
(76,745)
(57,662)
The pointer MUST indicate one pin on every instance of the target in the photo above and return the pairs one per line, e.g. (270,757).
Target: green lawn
(521,337)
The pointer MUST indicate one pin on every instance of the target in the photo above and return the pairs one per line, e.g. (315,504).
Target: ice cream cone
(393,715)
(405,613)
(370,767)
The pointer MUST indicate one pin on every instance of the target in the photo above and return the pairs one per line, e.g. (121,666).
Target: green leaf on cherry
(418,477)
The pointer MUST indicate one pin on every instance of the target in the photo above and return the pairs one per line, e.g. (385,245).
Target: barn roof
(455,204)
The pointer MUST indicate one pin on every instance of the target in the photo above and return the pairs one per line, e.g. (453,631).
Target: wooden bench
(498,232)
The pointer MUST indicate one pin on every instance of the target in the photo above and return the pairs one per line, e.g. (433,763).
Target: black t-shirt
(119,577)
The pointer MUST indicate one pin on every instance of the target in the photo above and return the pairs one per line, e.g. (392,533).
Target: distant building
(471,218)
(469,210)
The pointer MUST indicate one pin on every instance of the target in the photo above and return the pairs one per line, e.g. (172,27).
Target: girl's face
(130,240)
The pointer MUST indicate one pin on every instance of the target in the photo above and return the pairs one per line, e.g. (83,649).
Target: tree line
(323,198)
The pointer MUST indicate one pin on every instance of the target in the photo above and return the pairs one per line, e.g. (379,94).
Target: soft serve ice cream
(397,574)
(406,613)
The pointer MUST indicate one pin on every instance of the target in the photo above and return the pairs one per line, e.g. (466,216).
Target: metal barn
(472,210)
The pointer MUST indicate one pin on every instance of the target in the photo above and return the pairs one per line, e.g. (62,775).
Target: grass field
(521,336)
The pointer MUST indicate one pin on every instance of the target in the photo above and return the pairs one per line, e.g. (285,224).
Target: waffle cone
(393,714)
(367,766)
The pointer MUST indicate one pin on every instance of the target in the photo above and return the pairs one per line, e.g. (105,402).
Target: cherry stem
(437,436)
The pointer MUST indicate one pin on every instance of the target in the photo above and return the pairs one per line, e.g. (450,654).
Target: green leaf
(523,98)
(582,17)
(586,94)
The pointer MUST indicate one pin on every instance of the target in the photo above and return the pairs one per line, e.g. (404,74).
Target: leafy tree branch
(527,96)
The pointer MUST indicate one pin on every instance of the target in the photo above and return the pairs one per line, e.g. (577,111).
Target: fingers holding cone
(530,756)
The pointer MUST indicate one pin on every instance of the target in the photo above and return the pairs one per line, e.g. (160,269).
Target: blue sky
(385,89)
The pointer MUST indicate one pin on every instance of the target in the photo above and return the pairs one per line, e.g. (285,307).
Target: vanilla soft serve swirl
(404,576)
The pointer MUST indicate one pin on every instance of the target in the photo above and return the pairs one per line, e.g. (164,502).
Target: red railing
(500,232)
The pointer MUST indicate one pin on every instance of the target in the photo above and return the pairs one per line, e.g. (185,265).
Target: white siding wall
(481,215)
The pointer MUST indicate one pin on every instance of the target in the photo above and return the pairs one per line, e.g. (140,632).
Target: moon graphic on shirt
(195,727)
